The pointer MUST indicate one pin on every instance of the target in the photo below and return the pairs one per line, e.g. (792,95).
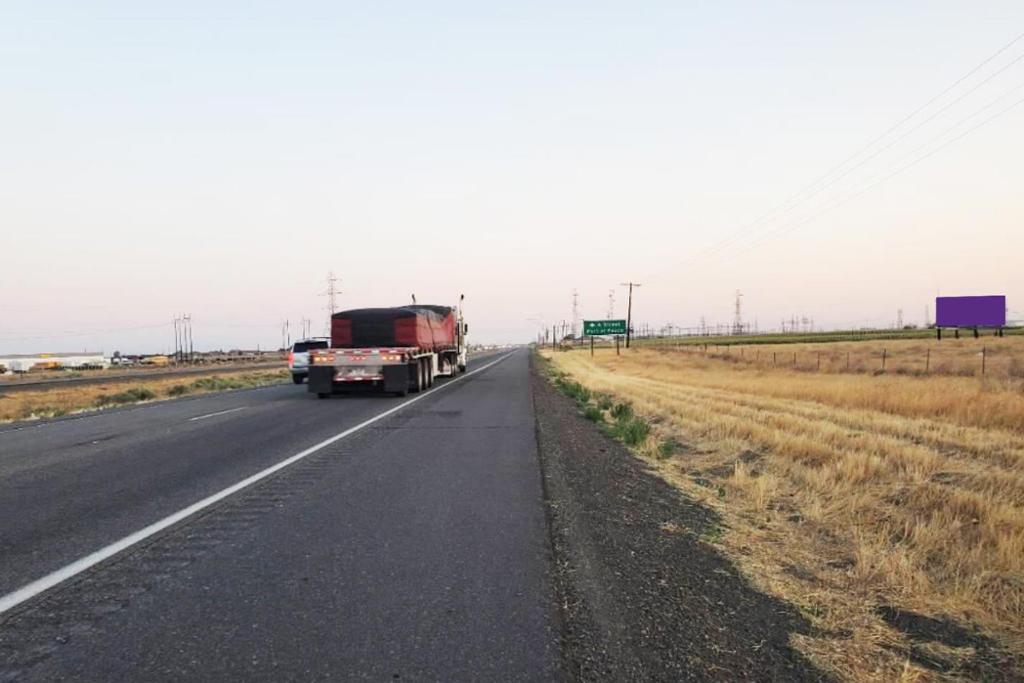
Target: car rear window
(307,345)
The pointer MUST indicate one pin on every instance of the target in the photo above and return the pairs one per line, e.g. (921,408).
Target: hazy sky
(160,158)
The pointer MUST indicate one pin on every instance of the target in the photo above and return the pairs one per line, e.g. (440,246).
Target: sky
(219,159)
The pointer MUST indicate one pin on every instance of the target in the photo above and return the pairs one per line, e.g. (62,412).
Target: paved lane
(71,486)
(416,548)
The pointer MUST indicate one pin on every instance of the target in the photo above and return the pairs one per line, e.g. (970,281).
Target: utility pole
(629,310)
(176,337)
(188,328)
(575,311)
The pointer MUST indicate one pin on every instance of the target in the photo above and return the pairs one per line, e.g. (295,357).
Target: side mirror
(465,328)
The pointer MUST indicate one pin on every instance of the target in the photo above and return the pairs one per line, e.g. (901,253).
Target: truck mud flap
(396,379)
(321,380)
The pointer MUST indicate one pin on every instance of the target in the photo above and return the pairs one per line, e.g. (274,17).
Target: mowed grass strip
(850,496)
(27,405)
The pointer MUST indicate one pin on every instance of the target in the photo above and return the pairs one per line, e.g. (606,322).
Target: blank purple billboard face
(970,311)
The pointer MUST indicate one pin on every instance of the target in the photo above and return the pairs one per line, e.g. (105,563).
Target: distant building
(26,362)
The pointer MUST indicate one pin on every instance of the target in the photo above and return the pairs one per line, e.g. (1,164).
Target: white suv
(298,357)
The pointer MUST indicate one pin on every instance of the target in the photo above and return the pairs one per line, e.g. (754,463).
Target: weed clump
(622,411)
(133,395)
(573,390)
(668,448)
(631,430)
(593,413)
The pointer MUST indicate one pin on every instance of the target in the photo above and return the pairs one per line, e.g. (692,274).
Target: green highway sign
(595,328)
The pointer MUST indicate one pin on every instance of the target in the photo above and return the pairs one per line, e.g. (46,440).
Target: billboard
(970,311)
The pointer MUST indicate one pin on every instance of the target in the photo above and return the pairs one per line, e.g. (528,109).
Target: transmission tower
(737,321)
(899,318)
(332,294)
(611,304)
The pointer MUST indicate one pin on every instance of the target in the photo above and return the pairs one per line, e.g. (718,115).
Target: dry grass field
(888,508)
(55,402)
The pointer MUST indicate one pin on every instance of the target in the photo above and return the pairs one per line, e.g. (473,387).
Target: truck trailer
(394,350)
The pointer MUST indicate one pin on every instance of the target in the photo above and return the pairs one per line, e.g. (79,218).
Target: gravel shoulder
(642,597)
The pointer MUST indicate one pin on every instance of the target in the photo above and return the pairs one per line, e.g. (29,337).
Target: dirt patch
(643,594)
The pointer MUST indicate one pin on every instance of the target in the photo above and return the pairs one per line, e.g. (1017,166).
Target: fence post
(794,359)
(847,361)
(883,359)
(927,361)
(775,359)
(819,361)
(983,360)
(616,345)
(591,346)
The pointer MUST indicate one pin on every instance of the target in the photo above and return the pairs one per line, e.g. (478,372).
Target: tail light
(291,358)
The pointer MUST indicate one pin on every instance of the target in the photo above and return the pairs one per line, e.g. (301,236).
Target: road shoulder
(641,596)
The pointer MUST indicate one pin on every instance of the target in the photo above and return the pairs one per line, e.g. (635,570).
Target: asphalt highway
(413,547)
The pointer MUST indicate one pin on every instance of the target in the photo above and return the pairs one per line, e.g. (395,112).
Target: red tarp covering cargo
(425,327)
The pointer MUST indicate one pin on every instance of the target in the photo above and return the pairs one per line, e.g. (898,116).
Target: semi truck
(393,350)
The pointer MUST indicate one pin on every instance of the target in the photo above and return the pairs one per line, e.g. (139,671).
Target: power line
(898,139)
(784,228)
(789,227)
(796,199)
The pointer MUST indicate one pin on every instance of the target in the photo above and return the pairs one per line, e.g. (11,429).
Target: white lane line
(219,412)
(29,591)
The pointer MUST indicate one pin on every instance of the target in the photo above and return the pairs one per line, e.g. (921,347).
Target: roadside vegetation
(55,402)
(889,507)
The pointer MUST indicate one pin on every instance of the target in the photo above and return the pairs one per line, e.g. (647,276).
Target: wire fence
(974,360)
(996,357)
